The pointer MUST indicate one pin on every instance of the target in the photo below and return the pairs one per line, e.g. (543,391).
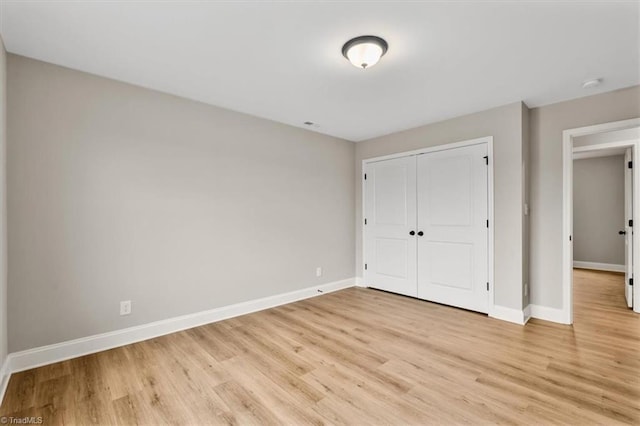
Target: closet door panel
(452,215)
(390,211)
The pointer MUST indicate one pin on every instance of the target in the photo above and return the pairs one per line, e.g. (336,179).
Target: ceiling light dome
(364,51)
(591,83)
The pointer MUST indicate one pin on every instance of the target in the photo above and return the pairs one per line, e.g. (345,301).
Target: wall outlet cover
(125,307)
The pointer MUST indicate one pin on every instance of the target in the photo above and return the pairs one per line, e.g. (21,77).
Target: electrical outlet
(526,289)
(125,307)
(318,271)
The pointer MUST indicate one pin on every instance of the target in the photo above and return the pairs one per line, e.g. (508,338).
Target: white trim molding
(598,266)
(503,313)
(527,314)
(32,358)
(4,378)
(548,314)
(432,148)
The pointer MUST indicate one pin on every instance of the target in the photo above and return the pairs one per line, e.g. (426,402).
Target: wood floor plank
(245,405)
(290,407)
(359,356)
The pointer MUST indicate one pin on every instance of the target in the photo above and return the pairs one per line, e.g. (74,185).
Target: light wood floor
(359,356)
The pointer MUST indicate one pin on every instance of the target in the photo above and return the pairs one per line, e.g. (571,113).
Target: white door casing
(452,187)
(635,200)
(390,215)
(628,215)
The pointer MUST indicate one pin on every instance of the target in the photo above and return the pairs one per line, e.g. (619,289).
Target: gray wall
(3,204)
(505,124)
(117,192)
(598,209)
(547,124)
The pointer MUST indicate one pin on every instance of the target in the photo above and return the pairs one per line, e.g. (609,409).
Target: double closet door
(426,226)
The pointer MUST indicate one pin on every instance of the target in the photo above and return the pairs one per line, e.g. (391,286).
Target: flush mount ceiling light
(591,83)
(364,51)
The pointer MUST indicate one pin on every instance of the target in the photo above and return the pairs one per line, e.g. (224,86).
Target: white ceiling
(282,60)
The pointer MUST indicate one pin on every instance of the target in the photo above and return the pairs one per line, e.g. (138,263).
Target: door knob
(420,233)
(412,232)
(622,232)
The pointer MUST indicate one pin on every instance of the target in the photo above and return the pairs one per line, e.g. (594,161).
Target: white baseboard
(548,314)
(31,358)
(360,282)
(4,378)
(516,316)
(527,314)
(599,266)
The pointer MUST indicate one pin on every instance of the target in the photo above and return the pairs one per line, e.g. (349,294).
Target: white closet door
(390,212)
(452,216)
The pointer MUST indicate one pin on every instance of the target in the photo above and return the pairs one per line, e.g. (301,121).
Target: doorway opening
(587,233)
(602,235)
